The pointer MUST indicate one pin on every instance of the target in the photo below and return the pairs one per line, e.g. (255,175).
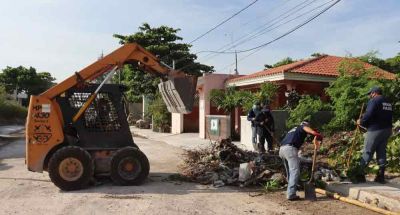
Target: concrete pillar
(176,123)
(202,118)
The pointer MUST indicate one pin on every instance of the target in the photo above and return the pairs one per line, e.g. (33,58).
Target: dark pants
(264,135)
(376,141)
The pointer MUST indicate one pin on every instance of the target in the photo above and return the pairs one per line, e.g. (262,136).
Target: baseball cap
(374,89)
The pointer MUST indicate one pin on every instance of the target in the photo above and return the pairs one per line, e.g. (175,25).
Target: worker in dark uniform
(288,151)
(265,127)
(378,121)
(251,116)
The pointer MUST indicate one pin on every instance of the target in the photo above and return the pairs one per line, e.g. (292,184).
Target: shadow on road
(4,166)
(159,183)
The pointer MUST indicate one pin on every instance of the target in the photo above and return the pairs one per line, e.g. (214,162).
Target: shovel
(309,187)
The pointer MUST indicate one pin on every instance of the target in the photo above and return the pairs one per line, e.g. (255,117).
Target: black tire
(133,158)
(71,156)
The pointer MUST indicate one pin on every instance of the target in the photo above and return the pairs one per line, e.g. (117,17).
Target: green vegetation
(25,80)
(232,97)
(282,62)
(161,117)
(163,42)
(348,93)
(305,110)
(389,64)
(10,109)
(272,185)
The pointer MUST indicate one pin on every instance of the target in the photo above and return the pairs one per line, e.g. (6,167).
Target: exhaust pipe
(178,92)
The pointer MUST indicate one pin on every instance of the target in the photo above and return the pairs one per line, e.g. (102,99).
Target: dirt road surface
(24,192)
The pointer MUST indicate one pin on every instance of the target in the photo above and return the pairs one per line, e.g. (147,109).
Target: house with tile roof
(310,76)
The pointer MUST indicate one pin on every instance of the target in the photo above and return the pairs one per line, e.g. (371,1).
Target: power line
(241,38)
(257,27)
(258,48)
(223,22)
(280,37)
(252,35)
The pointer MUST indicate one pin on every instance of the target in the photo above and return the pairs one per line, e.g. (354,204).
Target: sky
(64,36)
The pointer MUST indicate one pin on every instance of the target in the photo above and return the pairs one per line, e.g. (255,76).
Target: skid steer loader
(77,129)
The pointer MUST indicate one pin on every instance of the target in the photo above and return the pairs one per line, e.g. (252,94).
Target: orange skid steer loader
(77,130)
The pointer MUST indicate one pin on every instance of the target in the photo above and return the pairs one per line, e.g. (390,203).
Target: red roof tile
(324,65)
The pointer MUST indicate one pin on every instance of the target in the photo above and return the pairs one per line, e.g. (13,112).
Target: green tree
(372,58)
(25,79)
(393,64)
(284,61)
(163,42)
(9,109)
(316,54)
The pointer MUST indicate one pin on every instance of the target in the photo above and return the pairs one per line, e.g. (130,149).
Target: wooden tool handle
(314,160)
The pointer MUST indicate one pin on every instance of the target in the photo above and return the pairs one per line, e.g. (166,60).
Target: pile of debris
(226,164)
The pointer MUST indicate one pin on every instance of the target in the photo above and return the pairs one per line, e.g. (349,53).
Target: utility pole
(173,64)
(236,64)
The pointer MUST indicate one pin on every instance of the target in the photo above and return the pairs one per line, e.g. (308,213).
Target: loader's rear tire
(129,166)
(71,168)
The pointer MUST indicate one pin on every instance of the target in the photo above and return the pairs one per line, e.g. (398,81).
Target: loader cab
(104,124)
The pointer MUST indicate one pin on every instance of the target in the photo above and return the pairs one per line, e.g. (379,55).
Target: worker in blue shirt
(378,121)
(251,116)
(288,151)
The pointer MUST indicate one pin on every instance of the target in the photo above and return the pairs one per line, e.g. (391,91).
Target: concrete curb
(385,196)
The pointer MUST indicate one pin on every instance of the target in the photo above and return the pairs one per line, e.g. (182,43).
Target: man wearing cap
(251,116)
(288,151)
(378,121)
(265,127)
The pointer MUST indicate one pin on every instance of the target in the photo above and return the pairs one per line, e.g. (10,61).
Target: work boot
(294,198)
(380,177)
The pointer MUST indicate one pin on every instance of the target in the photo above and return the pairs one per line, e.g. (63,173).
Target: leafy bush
(348,93)
(232,97)
(305,110)
(161,117)
(268,91)
(393,150)
(10,109)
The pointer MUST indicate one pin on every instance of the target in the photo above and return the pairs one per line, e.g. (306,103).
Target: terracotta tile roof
(324,65)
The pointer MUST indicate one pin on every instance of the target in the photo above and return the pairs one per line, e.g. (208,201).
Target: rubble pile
(226,164)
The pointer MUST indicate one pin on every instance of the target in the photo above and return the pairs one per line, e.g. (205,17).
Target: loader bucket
(178,93)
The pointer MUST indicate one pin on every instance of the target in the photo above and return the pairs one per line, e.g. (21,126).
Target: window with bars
(101,115)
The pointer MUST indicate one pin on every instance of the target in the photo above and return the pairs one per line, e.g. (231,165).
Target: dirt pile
(226,164)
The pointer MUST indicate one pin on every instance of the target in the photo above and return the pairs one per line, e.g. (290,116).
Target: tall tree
(389,64)
(25,79)
(284,61)
(394,63)
(164,42)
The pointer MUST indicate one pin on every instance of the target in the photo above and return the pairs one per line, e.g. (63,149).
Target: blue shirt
(252,114)
(295,137)
(378,115)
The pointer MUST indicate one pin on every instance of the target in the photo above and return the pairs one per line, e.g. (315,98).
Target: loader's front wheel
(71,168)
(129,166)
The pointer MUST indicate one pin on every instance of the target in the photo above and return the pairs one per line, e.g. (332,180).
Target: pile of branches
(220,165)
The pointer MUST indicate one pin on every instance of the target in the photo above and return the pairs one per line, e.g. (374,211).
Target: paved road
(7,129)
(24,192)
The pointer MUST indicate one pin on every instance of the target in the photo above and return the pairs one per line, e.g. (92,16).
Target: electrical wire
(255,49)
(280,37)
(269,23)
(291,11)
(223,22)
